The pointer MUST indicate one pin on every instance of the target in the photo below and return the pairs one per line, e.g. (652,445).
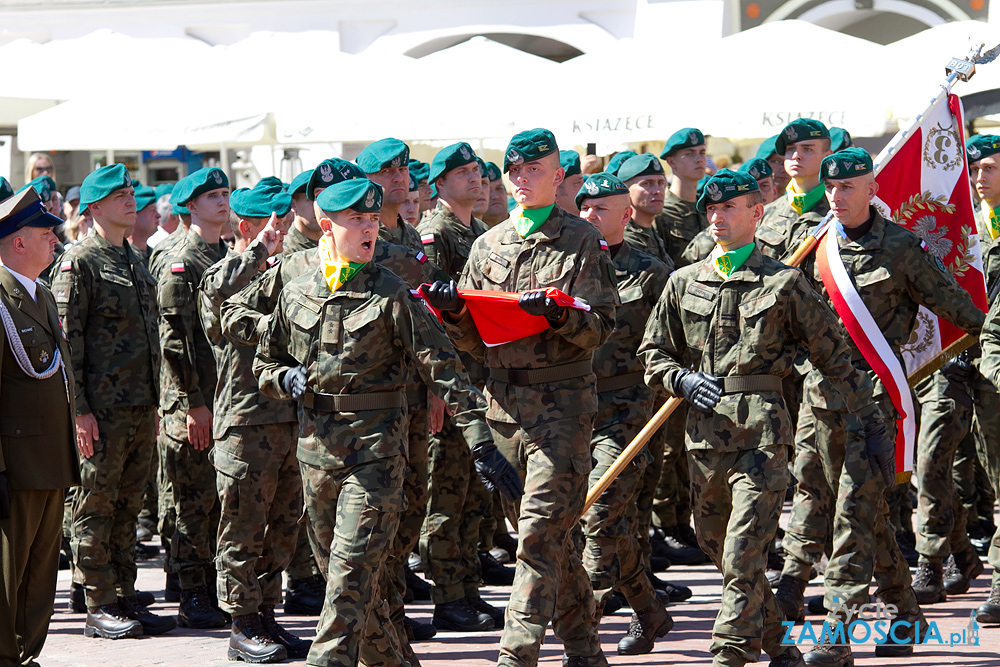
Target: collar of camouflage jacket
(873,239)
(550,229)
(749,271)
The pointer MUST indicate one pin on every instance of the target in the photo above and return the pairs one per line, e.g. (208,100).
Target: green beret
(529,146)
(767,149)
(420,169)
(688,137)
(493,172)
(265,198)
(414,184)
(299,183)
(43,186)
(482,167)
(846,163)
(24,209)
(702,182)
(600,185)
(358,194)
(383,154)
(570,162)
(615,163)
(758,168)
(839,139)
(144,196)
(800,129)
(198,183)
(6,191)
(450,157)
(640,165)
(982,145)
(164,189)
(102,182)
(725,185)
(329,172)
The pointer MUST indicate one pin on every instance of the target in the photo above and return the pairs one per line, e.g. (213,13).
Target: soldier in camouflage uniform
(646,185)
(680,221)
(146,222)
(624,405)
(572,182)
(738,319)
(107,304)
(541,394)
(497,211)
(386,162)
(767,152)
(304,233)
(339,340)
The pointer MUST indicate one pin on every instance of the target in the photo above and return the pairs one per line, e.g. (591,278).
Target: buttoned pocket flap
(630,294)
(758,304)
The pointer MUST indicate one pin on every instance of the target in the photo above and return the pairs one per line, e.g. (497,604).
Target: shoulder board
(604,244)
(66,265)
(421,257)
(426,238)
(177,267)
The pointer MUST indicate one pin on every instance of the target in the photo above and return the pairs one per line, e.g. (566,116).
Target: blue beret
(383,154)
(800,129)
(144,196)
(198,183)
(982,145)
(260,201)
(600,185)
(102,182)
(846,163)
(640,165)
(43,186)
(358,194)
(421,170)
(299,183)
(329,172)
(529,146)
(687,137)
(758,168)
(450,157)
(570,162)
(24,209)
(615,163)
(726,185)
(6,190)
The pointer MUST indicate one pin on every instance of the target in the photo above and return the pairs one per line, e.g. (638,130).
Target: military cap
(414,184)
(600,185)
(840,139)
(43,186)
(102,182)
(702,182)
(570,162)
(73,194)
(299,183)
(846,163)
(420,169)
(260,201)
(800,129)
(25,209)
(687,137)
(982,145)
(757,167)
(529,146)
(482,167)
(358,194)
(640,165)
(6,191)
(198,183)
(164,189)
(383,154)
(767,149)
(493,172)
(144,196)
(329,172)
(725,185)
(273,181)
(450,157)
(615,163)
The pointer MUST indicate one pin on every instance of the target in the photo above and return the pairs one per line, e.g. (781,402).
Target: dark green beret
(198,183)
(414,184)
(450,157)
(144,196)
(758,168)
(265,198)
(982,145)
(600,185)
(570,162)
(688,137)
(640,165)
(839,139)
(100,183)
(702,182)
(6,190)
(482,167)
(529,146)
(725,185)
(846,163)
(43,186)
(434,191)
(767,149)
(383,154)
(800,129)
(493,172)
(420,169)
(358,194)
(164,189)
(615,163)
(273,181)
(299,183)
(329,172)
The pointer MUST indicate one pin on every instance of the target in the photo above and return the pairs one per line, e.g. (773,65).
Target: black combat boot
(196,610)
(250,642)
(110,622)
(459,616)
(296,647)
(152,624)
(644,629)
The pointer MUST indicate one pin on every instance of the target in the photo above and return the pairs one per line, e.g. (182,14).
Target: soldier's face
(411,208)
(689,163)
(647,193)
(766,186)
(535,183)
(303,209)
(986,178)
(37,245)
(425,197)
(462,185)
(211,208)
(353,234)
(733,222)
(498,199)
(146,222)
(802,159)
(849,198)
(609,215)
(395,182)
(566,194)
(116,210)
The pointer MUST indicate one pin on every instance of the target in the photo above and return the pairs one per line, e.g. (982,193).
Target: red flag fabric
(498,317)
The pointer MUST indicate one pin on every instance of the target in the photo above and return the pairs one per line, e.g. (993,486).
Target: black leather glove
(6,495)
(444,296)
(536,303)
(294,381)
(703,390)
(959,369)
(496,472)
(881,452)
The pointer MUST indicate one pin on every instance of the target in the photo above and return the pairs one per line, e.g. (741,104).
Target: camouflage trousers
(353,515)
(550,583)
(736,501)
(986,429)
(971,483)
(165,512)
(106,506)
(944,422)
(640,512)
(611,555)
(302,564)
(671,498)
(260,494)
(456,503)
(810,531)
(194,503)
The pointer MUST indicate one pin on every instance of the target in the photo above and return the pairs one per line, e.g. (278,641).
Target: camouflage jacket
(565,252)
(405,234)
(188,377)
(295,241)
(358,341)
(640,279)
(155,263)
(677,225)
(989,362)
(107,305)
(238,401)
(781,230)
(701,246)
(749,324)
(991,254)
(648,241)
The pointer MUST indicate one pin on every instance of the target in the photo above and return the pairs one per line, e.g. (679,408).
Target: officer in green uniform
(38,458)
(572,182)
(680,221)
(304,233)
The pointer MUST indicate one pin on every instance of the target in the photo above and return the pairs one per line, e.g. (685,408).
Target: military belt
(379,400)
(616,382)
(526,376)
(747,384)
